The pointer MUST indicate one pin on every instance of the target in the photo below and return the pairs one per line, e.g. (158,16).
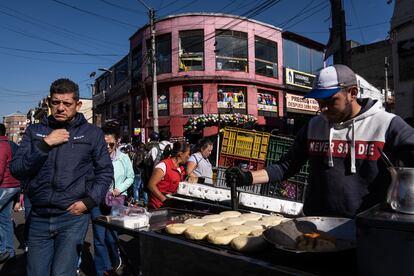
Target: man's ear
(353,91)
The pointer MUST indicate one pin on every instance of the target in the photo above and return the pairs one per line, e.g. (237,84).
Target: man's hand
(116,192)
(77,208)
(57,137)
(241,178)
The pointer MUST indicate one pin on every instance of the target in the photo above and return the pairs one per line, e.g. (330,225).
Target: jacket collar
(50,121)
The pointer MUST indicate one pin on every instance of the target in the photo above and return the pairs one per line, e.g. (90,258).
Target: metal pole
(154,72)
(218,142)
(386,82)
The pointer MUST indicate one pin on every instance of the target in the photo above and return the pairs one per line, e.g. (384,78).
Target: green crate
(278,146)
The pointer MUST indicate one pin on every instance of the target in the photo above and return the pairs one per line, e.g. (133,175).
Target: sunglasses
(111,145)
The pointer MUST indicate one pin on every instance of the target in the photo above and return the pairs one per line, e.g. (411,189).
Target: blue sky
(72,32)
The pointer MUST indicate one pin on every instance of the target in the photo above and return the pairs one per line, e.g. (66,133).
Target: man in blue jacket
(343,147)
(65,162)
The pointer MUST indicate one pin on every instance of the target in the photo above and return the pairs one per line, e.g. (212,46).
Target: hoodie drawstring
(330,162)
(353,167)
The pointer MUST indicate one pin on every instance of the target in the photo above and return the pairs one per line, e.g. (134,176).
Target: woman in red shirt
(167,175)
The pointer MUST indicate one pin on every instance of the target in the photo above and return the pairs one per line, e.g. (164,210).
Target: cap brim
(322,93)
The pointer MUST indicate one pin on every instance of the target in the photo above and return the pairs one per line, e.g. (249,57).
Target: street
(18,267)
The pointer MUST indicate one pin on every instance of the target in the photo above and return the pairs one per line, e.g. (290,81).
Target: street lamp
(105,70)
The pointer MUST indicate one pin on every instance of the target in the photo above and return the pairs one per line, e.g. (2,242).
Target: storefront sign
(299,103)
(137,131)
(299,79)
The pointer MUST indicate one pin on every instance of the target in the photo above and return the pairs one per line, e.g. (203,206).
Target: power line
(167,5)
(59,53)
(122,8)
(95,14)
(48,60)
(284,23)
(32,20)
(5,26)
(315,12)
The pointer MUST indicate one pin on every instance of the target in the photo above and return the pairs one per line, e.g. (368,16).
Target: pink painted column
(210,105)
(176,111)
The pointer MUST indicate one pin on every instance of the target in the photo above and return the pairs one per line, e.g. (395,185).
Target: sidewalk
(18,267)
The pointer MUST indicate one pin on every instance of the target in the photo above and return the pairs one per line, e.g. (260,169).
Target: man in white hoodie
(343,146)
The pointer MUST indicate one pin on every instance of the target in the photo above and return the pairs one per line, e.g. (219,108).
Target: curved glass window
(266,57)
(231,50)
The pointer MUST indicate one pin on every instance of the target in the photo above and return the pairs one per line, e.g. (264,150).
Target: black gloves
(169,202)
(241,178)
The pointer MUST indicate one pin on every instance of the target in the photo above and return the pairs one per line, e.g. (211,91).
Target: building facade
(211,64)
(15,124)
(402,37)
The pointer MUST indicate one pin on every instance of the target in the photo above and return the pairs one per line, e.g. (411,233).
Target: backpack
(149,163)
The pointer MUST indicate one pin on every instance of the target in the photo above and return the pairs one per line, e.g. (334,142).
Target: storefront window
(191,50)
(301,58)
(163,54)
(231,50)
(193,99)
(266,57)
(267,103)
(137,64)
(121,71)
(232,99)
(162,102)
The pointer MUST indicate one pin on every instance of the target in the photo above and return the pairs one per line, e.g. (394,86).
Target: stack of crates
(293,188)
(244,146)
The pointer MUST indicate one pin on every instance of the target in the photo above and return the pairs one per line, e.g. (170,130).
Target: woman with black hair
(198,165)
(167,175)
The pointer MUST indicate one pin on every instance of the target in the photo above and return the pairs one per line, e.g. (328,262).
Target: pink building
(208,63)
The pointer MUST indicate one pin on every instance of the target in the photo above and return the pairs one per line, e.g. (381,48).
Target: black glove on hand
(169,202)
(235,174)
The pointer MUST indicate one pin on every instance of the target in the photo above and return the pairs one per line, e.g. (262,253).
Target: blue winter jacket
(58,176)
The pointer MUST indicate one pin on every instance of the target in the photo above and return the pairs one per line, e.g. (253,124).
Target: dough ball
(216,226)
(241,229)
(213,218)
(230,214)
(248,243)
(222,237)
(195,222)
(256,225)
(234,221)
(197,232)
(250,216)
(176,228)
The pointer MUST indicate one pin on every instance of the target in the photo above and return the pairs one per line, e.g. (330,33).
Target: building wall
(209,78)
(15,127)
(402,31)
(86,109)
(369,62)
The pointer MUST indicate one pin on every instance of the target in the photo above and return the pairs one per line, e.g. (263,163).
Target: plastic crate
(293,188)
(245,143)
(231,160)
